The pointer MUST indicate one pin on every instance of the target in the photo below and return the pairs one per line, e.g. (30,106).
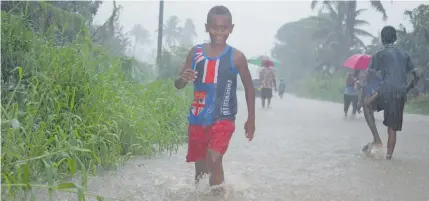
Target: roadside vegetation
(74,97)
(312,50)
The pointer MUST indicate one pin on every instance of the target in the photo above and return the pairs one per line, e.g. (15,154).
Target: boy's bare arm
(240,62)
(180,83)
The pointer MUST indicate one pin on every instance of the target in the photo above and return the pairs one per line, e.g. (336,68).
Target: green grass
(418,105)
(68,109)
(318,87)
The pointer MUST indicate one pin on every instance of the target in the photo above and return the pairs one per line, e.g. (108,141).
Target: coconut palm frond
(360,11)
(359,42)
(360,32)
(331,10)
(361,22)
(377,5)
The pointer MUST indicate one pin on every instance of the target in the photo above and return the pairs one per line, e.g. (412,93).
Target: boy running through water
(393,64)
(213,68)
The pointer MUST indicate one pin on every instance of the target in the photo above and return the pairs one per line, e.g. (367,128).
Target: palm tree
(141,36)
(332,30)
(348,9)
(351,6)
(188,35)
(172,31)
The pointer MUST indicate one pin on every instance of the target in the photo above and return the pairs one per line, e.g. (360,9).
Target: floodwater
(302,150)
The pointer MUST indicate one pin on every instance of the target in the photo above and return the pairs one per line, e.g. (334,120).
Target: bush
(418,105)
(317,86)
(69,109)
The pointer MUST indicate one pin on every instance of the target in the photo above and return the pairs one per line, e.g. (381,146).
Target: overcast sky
(256,22)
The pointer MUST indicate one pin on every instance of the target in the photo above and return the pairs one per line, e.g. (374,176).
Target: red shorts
(202,138)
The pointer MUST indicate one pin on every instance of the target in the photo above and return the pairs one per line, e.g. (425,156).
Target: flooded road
(302,150)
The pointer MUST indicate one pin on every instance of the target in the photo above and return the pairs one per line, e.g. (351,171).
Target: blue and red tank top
(215,88)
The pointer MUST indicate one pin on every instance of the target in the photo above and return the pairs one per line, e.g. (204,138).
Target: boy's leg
(391,143)
(219,136)
(197,147)
(201,170)
(393,119)
(370,120)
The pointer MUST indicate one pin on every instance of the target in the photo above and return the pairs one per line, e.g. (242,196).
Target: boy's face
(219,27)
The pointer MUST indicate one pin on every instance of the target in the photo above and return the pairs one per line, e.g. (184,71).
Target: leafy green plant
(67,109)
(419,105)
(317,86)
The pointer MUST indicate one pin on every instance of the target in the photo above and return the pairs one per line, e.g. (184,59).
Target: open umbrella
(263,60)
(358,62)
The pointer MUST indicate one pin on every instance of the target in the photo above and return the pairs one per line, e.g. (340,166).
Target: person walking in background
(268,81)
(394,64)
(282,88)
(350,94)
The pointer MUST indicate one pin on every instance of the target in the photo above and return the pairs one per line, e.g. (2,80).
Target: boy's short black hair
(219,10)
(388,35)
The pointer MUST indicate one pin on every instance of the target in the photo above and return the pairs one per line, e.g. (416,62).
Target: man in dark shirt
(393,64)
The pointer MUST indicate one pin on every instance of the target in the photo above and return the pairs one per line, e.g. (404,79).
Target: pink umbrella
(358,62)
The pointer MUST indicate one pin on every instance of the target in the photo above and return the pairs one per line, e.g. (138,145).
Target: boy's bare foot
(367,148)
(218,190)
(370,146)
